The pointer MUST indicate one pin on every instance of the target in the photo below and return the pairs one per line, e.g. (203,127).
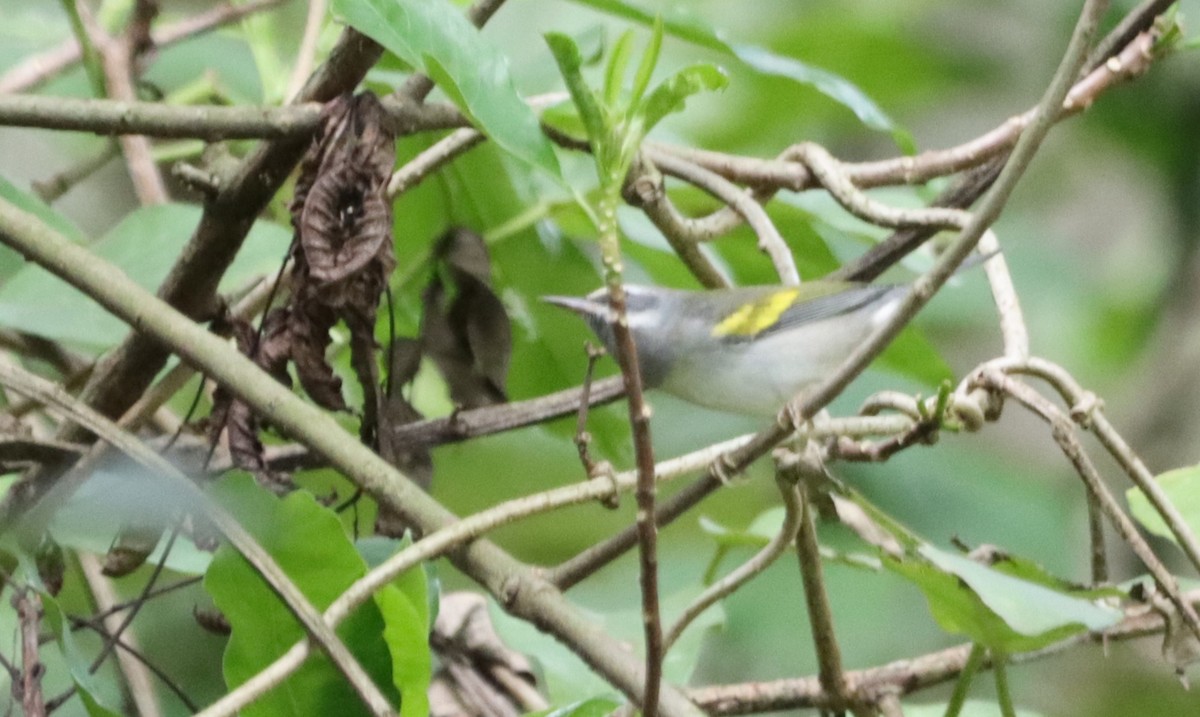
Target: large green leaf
(1028,607)
(1182,487)
(308,542)
(145,245)
(405,606)
(1015,607)
(435,36)
(680,22)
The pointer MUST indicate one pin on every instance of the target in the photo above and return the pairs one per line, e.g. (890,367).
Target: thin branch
(128,649)
(645,190)
(639,421)
(119,56)
(441,153)
(49,190)
(982,157)
(803,471)
(1085,409)
(1004,295)
(769,240)
(208,122)
(446,149)
(1133,59)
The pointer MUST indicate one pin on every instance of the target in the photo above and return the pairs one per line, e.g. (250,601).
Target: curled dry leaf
(342,255)
(478,674)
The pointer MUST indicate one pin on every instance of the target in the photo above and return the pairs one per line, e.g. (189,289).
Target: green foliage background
(1101,237)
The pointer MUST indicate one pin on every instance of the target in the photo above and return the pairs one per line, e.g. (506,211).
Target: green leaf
(833,86)
(672,94)
(614,72)
(435,36)
(566,54)
(404,605)
(641,80)
(310,545)
(145,245)
(680,22)
(998,608)
(1182,487)
(1004,613)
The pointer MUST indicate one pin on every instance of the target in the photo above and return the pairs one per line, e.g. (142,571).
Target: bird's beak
(577,304)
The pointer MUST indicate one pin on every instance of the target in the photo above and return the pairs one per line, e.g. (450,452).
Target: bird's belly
(759,378)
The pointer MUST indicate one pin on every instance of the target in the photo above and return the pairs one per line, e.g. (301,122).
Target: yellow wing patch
(756,316)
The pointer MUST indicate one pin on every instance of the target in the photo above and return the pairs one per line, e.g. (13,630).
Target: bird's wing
(788,308)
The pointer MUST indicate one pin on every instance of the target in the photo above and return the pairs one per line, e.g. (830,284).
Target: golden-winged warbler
(745,350)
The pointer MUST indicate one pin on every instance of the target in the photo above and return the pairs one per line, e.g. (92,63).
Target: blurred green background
(1101,237)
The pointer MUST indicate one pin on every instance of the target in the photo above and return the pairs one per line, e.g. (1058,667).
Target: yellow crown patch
(756,316)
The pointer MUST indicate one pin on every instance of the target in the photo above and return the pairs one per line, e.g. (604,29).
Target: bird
(745,350)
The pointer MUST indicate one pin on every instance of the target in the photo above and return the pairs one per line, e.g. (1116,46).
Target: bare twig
(119,57)
(49,190)
(442,152)
(646,191)
(1085,409)
(127,649)
(212,123)
(769,240)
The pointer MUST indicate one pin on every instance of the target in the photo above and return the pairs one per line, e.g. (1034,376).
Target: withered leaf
(308,329)
(343,216)
(482,318)
(342,256)
(465,329)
